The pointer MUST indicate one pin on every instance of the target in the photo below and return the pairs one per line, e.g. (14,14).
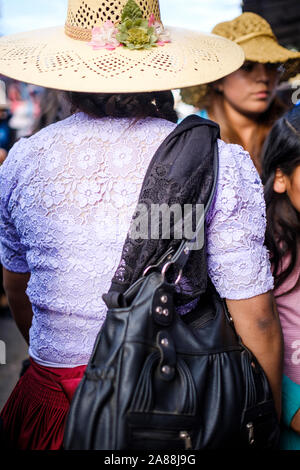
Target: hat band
(81,34)
(252,36)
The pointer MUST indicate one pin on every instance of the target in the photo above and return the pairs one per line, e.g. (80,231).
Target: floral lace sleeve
(12,251)
(238,261)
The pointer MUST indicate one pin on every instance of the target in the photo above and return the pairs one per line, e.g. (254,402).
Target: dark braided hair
(282,150)
(139,105)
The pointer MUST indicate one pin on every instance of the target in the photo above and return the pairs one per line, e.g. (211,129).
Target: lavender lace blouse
(67,195)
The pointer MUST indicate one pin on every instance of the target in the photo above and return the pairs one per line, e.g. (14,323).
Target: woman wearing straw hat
(68,193)
(244,103)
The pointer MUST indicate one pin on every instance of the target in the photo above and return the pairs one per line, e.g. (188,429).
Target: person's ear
(279,184)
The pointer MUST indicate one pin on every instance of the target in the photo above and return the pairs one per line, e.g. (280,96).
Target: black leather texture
(157,380)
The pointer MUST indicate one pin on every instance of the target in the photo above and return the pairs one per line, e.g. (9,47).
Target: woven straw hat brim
(49,58)
(266,49)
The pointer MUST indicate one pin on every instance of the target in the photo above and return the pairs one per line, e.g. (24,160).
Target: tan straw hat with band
(116,46)
(254,34)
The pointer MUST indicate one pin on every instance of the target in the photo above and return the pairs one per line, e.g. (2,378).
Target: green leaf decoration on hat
(134,30)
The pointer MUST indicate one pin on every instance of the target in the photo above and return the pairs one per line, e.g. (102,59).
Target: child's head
(281,179)
(281,160)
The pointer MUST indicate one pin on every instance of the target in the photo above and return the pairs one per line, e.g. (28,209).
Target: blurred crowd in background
(24,110)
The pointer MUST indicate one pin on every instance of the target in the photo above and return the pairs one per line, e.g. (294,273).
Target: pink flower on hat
(104,37)
(163,36)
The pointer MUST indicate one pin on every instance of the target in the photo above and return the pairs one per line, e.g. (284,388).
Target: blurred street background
(24,109)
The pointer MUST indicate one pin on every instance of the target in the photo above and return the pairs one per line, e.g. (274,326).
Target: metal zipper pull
(250,428)
(187,439)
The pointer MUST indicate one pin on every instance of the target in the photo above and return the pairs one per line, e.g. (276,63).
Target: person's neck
(243,125)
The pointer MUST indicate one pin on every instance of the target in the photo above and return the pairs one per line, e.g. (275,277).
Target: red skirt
(34,415)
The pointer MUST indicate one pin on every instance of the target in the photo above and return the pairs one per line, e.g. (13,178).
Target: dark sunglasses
(248,66)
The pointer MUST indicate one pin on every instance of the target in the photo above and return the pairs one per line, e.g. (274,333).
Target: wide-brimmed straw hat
(116,46)
(254,34)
